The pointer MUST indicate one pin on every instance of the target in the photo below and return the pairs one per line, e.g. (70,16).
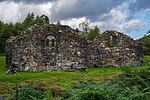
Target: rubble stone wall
(30,52)
(58,47)
(113,48)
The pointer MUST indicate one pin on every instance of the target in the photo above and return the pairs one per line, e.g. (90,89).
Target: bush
(26,93)
(133,85)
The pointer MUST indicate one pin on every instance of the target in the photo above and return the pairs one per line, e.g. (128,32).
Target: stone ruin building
(58,47)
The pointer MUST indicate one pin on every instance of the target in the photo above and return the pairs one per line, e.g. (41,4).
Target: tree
(19,28)
(6,31)
(147,33)
(93,33)
(89,32)
(29,21)
(85,26)
(146,43)
(9,29)
(46,19)
(43,19)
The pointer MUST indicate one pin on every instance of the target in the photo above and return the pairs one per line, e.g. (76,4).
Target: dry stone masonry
(113,48)
(58,47)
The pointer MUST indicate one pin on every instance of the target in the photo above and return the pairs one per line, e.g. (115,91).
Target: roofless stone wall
(113,48)
(57,47)
(46,48)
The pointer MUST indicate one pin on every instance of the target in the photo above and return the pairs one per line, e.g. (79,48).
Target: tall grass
(3,69)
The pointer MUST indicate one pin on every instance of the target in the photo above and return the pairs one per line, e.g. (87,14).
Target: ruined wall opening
(112,41)
(50,41)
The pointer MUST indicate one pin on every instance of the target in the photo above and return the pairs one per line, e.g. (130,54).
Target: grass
(59,79)
(146,63)
(2,66)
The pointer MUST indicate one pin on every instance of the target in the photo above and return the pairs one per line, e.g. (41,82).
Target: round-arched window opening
(50,41)
(112,41)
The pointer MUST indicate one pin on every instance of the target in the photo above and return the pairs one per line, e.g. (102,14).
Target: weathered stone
(116,51)
(58,47)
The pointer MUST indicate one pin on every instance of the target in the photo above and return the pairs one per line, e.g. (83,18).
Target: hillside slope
(146,42)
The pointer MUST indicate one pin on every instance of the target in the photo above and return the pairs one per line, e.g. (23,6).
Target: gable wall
(124,50)
(29,52)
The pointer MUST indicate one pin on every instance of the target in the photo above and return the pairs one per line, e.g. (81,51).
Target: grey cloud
(79,8)
(132,24)
(30,1)
(139,4)
(14,12)
(64,9)
(93,18)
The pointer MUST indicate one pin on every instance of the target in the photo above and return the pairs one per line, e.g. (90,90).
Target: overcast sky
(129,16)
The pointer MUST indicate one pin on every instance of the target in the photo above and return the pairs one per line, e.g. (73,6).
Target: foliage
(89,32)
(146,42)
(9,29)
(134,84)
(94,84)
(130,86)
(53,80)
(147,60)
(93,33)
(85,26)
(2,65)
(26,93)
(30,20)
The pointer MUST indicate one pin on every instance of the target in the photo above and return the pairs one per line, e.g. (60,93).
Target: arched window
(111,41)
(50,41)
(47,42)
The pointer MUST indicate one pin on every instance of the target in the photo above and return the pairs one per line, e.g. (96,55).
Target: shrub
(26,93)
(133,85)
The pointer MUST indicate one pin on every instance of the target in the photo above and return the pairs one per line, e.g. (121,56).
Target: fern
(130,86)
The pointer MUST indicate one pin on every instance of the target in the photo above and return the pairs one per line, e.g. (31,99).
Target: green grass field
(59,79)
